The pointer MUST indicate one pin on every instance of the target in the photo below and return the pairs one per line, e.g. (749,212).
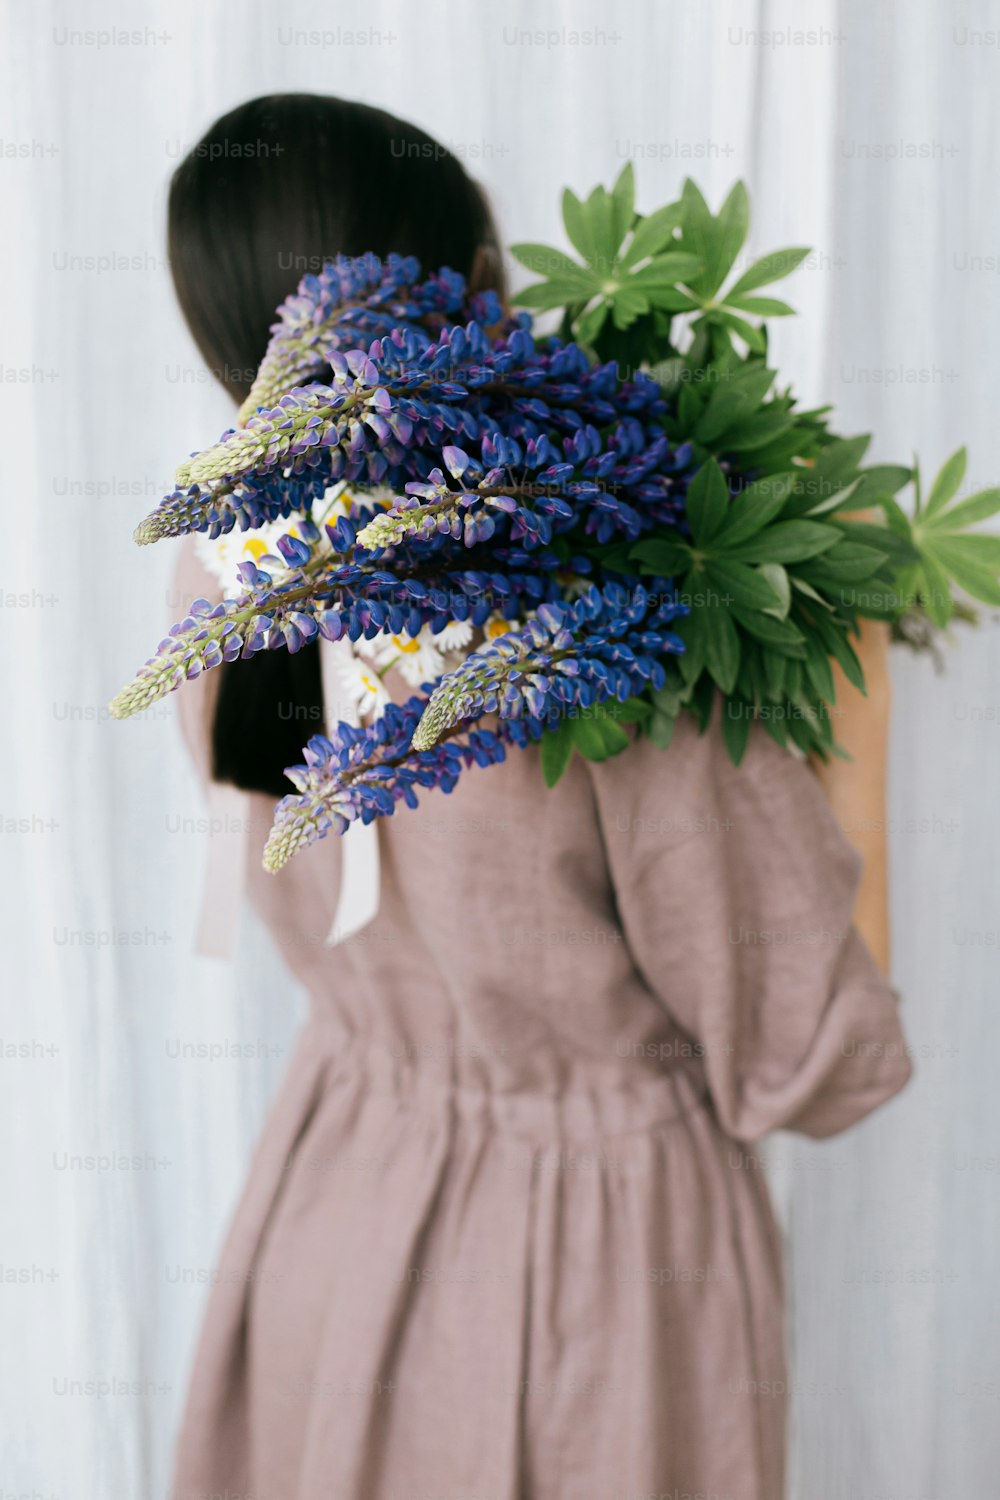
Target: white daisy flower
(455,636)
(223,556)
(418,657)
(497,625)
(363,685)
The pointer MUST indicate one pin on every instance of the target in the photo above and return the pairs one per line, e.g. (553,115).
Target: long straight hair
(271,191)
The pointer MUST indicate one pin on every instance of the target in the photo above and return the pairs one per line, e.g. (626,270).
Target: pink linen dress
(497,1241)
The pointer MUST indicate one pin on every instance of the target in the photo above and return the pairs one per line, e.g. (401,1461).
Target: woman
(500,1237)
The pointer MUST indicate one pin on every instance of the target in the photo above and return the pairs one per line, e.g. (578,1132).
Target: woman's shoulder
(650,800)
(695,764)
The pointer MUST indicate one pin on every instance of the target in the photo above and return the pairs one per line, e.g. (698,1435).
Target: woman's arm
(855,789)
(736,892)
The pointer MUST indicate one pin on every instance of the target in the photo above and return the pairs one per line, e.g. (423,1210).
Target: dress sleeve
(195,700)
(735,889)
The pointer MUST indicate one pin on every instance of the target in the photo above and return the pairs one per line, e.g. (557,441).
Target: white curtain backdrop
(870,132)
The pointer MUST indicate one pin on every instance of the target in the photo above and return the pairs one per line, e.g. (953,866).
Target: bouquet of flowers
(573,536)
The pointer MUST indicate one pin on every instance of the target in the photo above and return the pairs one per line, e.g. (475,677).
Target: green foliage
(790,541)
(636,272)
(597,733)
(939,531)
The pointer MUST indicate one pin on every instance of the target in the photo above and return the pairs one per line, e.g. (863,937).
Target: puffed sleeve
(735,889)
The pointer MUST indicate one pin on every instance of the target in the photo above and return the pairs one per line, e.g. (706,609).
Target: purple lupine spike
(364,773)
(514,462)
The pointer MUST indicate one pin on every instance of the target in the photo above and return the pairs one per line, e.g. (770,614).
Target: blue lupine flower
(607,644)
(516,464)
(357,773)
(349,302)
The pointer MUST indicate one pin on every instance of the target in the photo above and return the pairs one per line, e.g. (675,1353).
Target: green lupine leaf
(556,750)
(774,672)
(849,562)
(742,585)
(736,729)
(670,299)
(615,738)
(805,588)
(719,415)
(800,732)
(750,683)
(936,591)
(753,509)
(698,228)
(779,581)
(623,203)
(577,224)
(733,400)
(982,549)
(626,306)
(878,482)
(555,293)
(734,221)
(761,307)
(689,407)
(665,271)
(838,500)
(774,455)
(947,483)
(614,555)
(976,577)
(781,635)
(702,702)
(597,737)
(759,430)
(588,739)
(978,507)
(632,711)
(777,729)
(669,373)
(691,630)
(707,502)
(750,335)
(722,646)
(670,698)
(896,546)
(773,267)
(877,598)
(786,541)
(660,729)
(818,671)
(545,261)
(753,378)
(652,234)
(662,557)
(589,326)
(840,648)
(601,224)
(838,462)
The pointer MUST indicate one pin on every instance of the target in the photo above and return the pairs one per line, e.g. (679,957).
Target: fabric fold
(215,1438)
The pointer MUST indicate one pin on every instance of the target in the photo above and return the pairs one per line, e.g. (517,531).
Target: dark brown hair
(273,189)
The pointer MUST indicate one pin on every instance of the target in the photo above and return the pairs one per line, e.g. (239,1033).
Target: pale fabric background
(875,138)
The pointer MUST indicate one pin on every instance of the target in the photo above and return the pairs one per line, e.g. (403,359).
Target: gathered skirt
(430,1291)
